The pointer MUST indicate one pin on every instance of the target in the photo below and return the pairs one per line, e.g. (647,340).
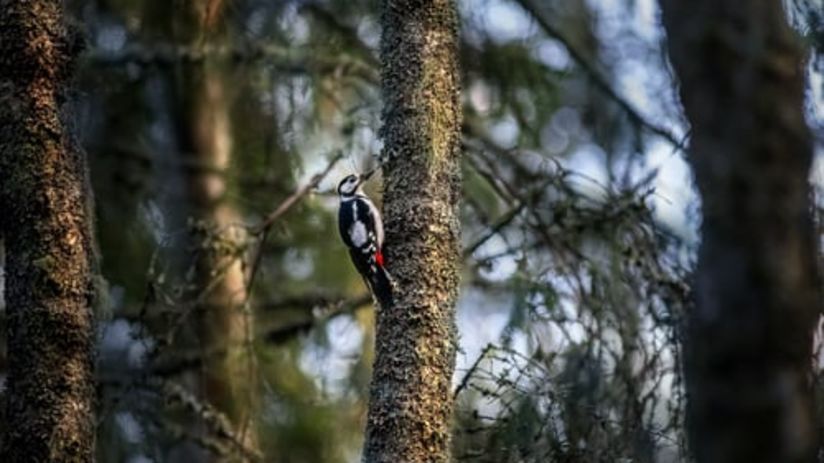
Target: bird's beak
(365,176)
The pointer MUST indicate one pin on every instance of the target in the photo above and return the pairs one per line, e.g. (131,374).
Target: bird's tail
(381,284)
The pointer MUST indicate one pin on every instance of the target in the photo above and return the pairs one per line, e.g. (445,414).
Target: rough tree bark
(46,227)
(749,340)
(410,406)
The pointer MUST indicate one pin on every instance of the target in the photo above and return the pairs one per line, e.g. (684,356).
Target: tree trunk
(410,406)
(228,379)
(45,222)
(748,350)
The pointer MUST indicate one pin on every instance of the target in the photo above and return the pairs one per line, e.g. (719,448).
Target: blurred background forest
(236,328)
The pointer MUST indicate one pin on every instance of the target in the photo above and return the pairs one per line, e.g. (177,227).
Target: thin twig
(297,196)
(220,424)
(263,228)
(282,334)
(494,229)
(471,371)
(300,60)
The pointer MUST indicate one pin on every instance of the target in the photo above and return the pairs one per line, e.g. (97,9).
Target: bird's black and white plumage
(361,228)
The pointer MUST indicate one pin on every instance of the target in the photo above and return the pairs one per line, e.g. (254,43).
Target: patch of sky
(553,54)
(564,128)
(505,131)
(298,264)
(501,20)
(474,305)
(117,335)
(140,459)
(110,38)
(588,162)
(501,268)
(129,427)
(329,360)
(296,24)
(480,97)
(369,32)
(674,196)
(118,340)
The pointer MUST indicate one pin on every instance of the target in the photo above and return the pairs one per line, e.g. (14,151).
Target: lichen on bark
(410,406)
(46,229)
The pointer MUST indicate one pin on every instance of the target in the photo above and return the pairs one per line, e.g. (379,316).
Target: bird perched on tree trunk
(361,228)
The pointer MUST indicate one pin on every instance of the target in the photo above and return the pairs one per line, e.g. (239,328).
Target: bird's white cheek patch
(357,233)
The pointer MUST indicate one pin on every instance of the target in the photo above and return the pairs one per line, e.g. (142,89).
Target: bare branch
(219,424)
(263,228)
(282,334)
(284,58)
(471,370)
(532,7)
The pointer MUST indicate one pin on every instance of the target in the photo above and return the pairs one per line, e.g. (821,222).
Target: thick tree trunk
(410,406)
(749,340)
(45,222)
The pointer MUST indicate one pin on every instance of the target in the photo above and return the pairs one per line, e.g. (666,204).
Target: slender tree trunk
(228,379)
(410,406)
(748,351)
(45,222)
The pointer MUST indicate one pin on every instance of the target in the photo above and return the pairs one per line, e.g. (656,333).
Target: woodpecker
(361,227)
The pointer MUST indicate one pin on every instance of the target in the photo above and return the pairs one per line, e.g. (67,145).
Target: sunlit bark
(46,224)
(410,408)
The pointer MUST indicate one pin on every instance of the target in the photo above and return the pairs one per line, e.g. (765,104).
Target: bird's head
(351,184)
